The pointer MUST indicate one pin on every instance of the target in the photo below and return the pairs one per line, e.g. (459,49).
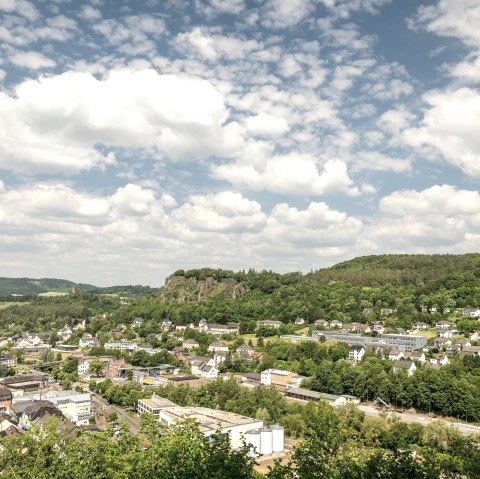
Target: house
(299,321)
(180,351)
(269,324)
(336,324)
(445,333)
(471,350)
(475,336)
(420,326)
(444,324)
(321,322)
(220,329)
(190,343)
(5,399)
(417,356)
(245,351)
(88,341)
(168,326)
(296,381)
(409,366)
(462,343)
(218,346)
(471,313)
(64,333)
(356,353)
(360,328)
(387,311)
(347,327)
(276,377)
(439,358)
(8,360)
(377,327)
(122,345)
(137,322)
(204,370)
(181,327)
(36,411)
(395,355)
(440,343)
(219,357)
(367,311)
(254,378)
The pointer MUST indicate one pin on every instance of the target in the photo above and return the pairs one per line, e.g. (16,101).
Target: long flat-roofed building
(154,405)
(212,420)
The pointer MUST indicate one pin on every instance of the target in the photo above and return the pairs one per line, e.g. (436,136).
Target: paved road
(102,406)
(465,429)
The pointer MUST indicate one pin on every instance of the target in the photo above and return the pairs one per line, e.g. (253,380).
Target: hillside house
(409,366)
(356,353)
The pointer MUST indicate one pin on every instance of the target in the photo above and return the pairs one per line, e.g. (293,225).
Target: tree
(95,367)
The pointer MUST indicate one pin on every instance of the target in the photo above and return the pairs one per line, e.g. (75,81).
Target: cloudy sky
(140,137)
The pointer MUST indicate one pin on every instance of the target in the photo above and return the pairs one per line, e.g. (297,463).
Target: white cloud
(266,125)
(289,174)
(31,60)
(213,46)
(222,212)
(88,12)
(54,123)
(281,14)
(452,18)
(21,7)
(450,126)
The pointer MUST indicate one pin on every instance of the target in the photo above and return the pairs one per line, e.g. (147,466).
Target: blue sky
(137,138)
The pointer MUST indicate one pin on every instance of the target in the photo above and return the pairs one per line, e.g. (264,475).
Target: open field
(51,294)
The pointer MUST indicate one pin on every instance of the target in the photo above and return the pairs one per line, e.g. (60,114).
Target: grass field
(11,303)
(51,294)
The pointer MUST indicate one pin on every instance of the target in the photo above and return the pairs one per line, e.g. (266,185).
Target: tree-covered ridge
(401,269)
(129,291)
(32,286)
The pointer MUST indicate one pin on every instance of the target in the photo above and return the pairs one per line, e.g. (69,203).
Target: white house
(445,333)
(88,341)
(356,353)
(64,333)
(218,346)
(444,324)
(409,366)
(417,356)
(395,355)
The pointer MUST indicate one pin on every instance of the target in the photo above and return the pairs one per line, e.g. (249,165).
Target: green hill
(30,286)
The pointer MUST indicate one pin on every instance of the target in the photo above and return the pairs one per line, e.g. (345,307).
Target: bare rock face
(180,288)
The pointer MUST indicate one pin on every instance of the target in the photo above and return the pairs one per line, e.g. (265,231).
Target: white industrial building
(77,407)
(239,428)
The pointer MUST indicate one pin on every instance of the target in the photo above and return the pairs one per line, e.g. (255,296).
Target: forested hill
(431,271)
(30,286)
(403,269)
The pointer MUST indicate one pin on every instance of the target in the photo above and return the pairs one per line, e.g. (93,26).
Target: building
(420,325)
(276,377)
(296,381)
(64,333)
(76,407)
(417,356)
(192,381)
(190,343)
(8,360)
(471,313)
(444,325)
(88,341)
(252,378)
(122,345)
(356,353)
(218,346)
(269,324)
(5,399)
(308,395)
(395,355)
(154,405)
(409,366)
(212,420)
(221,329)
(21,384)
(405,342)
(137,322)
(445,333)
(387,311)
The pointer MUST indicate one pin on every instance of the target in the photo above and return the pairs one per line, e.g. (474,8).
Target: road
(102,406)
(465,429)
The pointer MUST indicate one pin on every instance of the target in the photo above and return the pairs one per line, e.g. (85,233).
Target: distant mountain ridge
(30,286)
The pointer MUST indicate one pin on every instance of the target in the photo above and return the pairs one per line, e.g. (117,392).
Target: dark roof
(5,394)
(183,378)
(23,378)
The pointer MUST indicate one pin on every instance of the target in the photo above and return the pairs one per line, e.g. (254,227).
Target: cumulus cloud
(450,126)
(22,7)
(31,60)
(222,212)
(280,14)
(54,123)
(289,174)
(452,18)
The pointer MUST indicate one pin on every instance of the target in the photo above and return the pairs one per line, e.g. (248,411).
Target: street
(102,406)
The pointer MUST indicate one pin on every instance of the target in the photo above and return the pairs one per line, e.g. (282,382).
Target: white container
(252,438)
(266,441)
(278,438)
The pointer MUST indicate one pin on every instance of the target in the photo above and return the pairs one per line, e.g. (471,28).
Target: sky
(142,137)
